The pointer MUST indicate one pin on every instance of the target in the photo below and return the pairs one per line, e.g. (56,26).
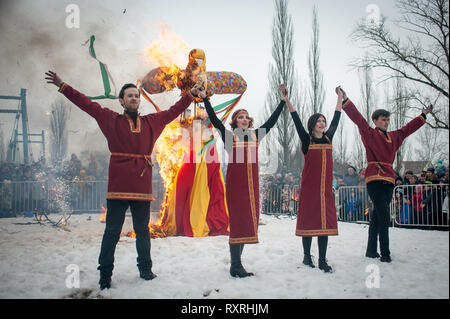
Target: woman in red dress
(242,179)
(316,215)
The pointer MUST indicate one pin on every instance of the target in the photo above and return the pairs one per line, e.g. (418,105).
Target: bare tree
(283,139)
(340,150)
(60,113)
(421,57)
(432,145)
(316,93)
(368,92)
(2,146)
(399,118)
(358,158)
(368,105)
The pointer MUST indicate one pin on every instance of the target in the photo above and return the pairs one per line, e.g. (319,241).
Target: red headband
(236,115)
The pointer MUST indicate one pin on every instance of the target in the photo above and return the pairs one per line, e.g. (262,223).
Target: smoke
(35,39)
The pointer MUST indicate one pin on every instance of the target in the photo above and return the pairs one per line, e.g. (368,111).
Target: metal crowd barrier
(353,204)
(59,196)
(420,205)
(416,205)
(411,205)
(280,200)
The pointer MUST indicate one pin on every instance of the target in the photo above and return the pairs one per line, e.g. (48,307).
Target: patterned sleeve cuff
(423,117)
(345,103)
(62,87)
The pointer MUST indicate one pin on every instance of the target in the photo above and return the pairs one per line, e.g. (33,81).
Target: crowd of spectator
(421,198)
(280,192)
(69,170)
(32,187)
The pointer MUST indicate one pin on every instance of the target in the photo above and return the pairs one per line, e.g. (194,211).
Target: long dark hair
(313,120)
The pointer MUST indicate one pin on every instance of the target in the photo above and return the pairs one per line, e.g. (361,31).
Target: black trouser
(380,193)
(140,212)
(322,242)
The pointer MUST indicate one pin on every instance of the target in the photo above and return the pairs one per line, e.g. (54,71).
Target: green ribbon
(221,107)
(105,75)
(205,146)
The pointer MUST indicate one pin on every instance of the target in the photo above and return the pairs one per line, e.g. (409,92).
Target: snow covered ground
(40,261)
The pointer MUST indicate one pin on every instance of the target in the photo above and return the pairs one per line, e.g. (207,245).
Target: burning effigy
(194,203)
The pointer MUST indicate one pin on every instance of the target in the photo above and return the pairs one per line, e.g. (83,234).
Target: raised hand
(428,109)
(344,95)
(284,92)
(198,89)
(53,78)
(340,98)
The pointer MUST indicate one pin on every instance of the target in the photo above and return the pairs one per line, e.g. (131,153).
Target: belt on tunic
(378,165)
(146,157)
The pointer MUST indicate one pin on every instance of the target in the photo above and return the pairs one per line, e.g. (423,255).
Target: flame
(170,151)
(103,215)
(166,52)
(168,49)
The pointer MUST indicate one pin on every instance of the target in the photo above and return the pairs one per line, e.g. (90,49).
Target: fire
(166,52)
(168,49)
(170,150)
(103,215)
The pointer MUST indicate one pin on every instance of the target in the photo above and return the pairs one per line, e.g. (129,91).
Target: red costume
(130,169)
(242,191)
(317,210)
(380,146)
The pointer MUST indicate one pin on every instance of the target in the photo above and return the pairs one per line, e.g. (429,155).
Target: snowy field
(35,263)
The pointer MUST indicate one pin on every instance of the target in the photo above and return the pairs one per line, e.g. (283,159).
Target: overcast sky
(235,35)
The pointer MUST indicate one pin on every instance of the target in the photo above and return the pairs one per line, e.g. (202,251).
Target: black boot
(323,243)
(386,259)
(307,260)
(324,266)
(105,282)
(370,254)
(105,277)
(236,269)
(146,273)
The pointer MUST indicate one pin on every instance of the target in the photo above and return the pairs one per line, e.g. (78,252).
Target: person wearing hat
(130,138)
(381,147)
(242,178)
(431,176)
(351,178)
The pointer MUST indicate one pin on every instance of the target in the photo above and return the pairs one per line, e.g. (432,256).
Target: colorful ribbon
(106,75)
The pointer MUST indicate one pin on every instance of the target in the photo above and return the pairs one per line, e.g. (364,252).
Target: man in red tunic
(381,147)
(130,138)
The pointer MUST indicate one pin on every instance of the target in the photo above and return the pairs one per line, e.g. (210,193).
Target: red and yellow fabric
(316,214)
(242,192)
(380,147)
(197,207)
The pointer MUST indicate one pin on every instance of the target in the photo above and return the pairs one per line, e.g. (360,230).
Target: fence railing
(353,204)
(422,205)
(280,200)
(411,205)
(58,196)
